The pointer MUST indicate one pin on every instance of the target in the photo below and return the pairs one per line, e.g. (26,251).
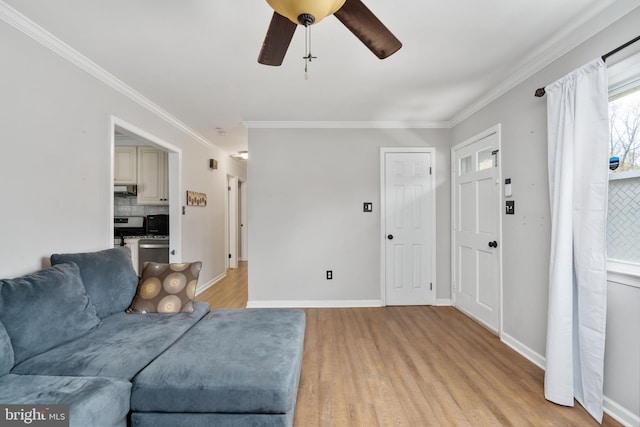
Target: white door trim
(383,199)
(497,130)
(232,221)
(242,199)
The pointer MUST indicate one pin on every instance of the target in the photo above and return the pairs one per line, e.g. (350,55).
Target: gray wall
(55,186)
(306,192)
(307,187)
(526,235)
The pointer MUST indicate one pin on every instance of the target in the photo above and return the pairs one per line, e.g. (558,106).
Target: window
(623,217)
(485,159)
(465,165)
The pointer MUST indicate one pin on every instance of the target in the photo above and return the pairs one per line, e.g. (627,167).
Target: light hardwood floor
(230,292)
(409,366)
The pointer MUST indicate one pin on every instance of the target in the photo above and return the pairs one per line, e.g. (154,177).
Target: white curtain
(578,138)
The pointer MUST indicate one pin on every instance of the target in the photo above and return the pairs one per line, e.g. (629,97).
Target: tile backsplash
(128,206)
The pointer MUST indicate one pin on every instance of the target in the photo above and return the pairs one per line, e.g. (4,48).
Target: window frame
(623,77)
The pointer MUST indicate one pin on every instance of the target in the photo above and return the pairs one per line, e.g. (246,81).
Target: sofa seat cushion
(93,401)
(108,276)
(45,309)
(6,351)
(120,347)
(232,361)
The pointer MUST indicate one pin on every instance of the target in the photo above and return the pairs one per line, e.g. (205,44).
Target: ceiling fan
(288,14)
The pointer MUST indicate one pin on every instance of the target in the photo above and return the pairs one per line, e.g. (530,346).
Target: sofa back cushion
(6,351)
(107,275)
(45,309)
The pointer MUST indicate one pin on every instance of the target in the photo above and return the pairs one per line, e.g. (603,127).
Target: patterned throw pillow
(166,288)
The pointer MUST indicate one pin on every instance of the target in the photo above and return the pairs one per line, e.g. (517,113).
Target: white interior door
(408,228)
(476,229)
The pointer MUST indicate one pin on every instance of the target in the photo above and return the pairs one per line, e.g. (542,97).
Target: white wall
(307,187)
(55,160)
(526,235)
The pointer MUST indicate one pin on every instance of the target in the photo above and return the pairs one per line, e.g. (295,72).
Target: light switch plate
(367,207)
(510,208)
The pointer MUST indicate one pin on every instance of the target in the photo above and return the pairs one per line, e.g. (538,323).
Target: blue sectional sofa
(65,338)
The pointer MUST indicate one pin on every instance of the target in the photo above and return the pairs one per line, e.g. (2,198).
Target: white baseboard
(621,414)
(525,351)
(330,304)
(210,283)
(611,408)
(315,304)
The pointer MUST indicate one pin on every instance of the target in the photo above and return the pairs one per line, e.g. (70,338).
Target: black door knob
(390,236)
(493,244)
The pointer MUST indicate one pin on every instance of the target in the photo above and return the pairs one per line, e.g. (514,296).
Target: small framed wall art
(196,199)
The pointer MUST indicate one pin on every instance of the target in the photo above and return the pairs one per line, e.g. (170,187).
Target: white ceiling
(197,59)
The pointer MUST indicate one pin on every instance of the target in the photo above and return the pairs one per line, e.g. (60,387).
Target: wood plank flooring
(231,291)
(410,366)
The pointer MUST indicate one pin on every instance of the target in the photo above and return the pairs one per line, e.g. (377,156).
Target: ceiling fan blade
(364,24)
(277,40)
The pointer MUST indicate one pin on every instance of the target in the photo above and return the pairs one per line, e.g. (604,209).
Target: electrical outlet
(329,274)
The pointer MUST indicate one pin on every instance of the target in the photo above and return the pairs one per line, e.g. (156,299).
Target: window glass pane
(465,165)
(623,224)
(624,135)
(485,159)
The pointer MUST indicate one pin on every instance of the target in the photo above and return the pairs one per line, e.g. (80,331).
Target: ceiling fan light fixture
(353,14)
(318,9)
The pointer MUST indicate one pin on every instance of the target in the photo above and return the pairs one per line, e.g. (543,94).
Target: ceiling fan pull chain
(308,57)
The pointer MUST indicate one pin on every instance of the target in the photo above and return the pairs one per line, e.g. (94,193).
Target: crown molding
(587,25)
(51,42)
(346,125)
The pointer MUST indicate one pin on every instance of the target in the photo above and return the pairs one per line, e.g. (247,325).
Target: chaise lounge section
(65,338)
(235,367)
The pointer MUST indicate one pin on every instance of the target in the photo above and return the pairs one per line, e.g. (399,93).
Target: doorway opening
(159,160)
(236,221)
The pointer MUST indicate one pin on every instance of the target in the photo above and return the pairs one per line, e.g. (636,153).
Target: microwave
(158,225)
(125,190)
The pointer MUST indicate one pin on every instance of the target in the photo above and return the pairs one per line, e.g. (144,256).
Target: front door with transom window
(476,228)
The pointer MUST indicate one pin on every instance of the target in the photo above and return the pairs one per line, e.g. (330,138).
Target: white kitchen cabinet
(153,177)
(133,246)
(125,165)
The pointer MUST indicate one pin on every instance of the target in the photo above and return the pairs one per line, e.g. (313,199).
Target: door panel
(467,206)
(408,228)
(476,217)
(466,276)
(487,295)
(486,207)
